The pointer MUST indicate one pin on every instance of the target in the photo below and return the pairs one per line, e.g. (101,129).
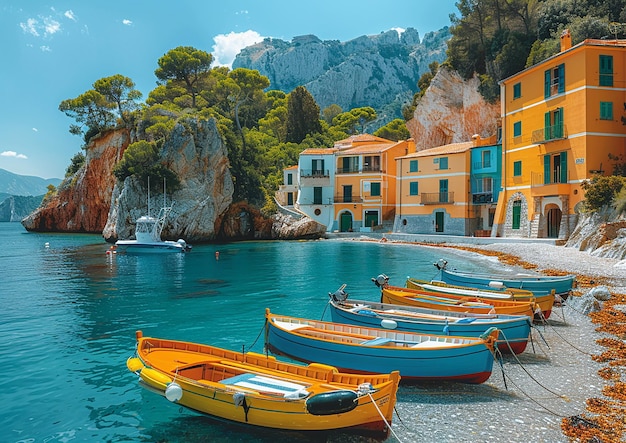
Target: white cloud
(227,46)
(45,48)
(127,22)
(13,154)
(70,14)
(48,26)
(30,27)
(35,130)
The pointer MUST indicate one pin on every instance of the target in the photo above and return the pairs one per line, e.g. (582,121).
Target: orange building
(365,182)
(561,119)
(433,191)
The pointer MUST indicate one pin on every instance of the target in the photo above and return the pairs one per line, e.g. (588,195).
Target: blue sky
(55,50)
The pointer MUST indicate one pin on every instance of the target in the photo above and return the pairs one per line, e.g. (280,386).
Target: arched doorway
(345,222)
(553,217)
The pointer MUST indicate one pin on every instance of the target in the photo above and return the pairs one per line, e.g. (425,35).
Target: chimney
(566,40)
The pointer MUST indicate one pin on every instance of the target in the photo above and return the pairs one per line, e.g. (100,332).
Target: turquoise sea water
(70,311)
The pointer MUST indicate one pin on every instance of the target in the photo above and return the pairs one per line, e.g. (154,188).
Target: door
(443,191)
(439,221)
(345,222)
(290,199)
(347,194)
(371,219)
(554,222)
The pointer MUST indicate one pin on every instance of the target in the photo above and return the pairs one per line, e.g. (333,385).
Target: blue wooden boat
(539,285)
(514,329)
(418,357)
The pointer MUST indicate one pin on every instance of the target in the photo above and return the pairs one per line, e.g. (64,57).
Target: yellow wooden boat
(450,302)
(544,302)
(260,390)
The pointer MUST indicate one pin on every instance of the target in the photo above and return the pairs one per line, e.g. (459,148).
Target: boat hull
(250,388)
(411,297)
(545,302)
(514,330)
(134,247)
(540,285)
(469,360)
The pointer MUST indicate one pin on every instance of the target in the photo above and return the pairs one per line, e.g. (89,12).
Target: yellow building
(561,119)
(433,189)
(365,182)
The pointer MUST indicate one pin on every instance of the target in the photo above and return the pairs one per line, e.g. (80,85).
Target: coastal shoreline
(600,417)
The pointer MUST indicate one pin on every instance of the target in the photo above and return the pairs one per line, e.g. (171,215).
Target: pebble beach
(528,396)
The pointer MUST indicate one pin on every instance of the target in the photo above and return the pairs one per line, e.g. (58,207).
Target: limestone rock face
(82,201)
(452,111)
(195,152)
(602,233)
(286,227)
(375,71)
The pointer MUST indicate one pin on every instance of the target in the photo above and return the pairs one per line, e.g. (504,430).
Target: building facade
(561,119)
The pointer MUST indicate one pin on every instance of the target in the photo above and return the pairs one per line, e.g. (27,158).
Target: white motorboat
(148,234)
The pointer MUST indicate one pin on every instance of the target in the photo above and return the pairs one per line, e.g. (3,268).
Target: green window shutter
(546,83)
(606,70)
(443,163)
(606,110)
(517,129)
(557,132)
(563,167)
(547,127)
(413,189)
(413,166)
(546,169)
(517,90)
(375,189)
(517,168)
(561,69)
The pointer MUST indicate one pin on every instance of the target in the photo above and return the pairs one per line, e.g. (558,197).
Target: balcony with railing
(314,177)
(557,186)
(435,198)
(549,133)
(479,198)
(348,199)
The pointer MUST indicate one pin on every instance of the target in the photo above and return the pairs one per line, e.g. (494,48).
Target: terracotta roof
(359,139)
(319,151)
(291,167)
(371,148)
(453,148)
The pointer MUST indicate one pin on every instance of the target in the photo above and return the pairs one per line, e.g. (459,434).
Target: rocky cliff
(452,111)
(16,207)
(94,201)
(601,233)
(82,201)
(380,71)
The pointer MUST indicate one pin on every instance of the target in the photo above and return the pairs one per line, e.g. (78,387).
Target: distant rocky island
(20,195)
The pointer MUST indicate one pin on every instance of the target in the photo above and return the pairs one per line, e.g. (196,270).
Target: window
(290,179)
(606,110)
(517,168)
(413,189)
(443,191)
(517,90)
(413,166)
(554,81)
(486,159)
(555,168)
(443,163)
(375,189)
(317,195)
(553,124)
(517,129)
(371,163)
(606,70)
(517,214)
(317,166)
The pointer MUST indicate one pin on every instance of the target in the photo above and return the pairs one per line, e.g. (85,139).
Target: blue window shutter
(546,84)
(561,78)
(563,167)
(547,128)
